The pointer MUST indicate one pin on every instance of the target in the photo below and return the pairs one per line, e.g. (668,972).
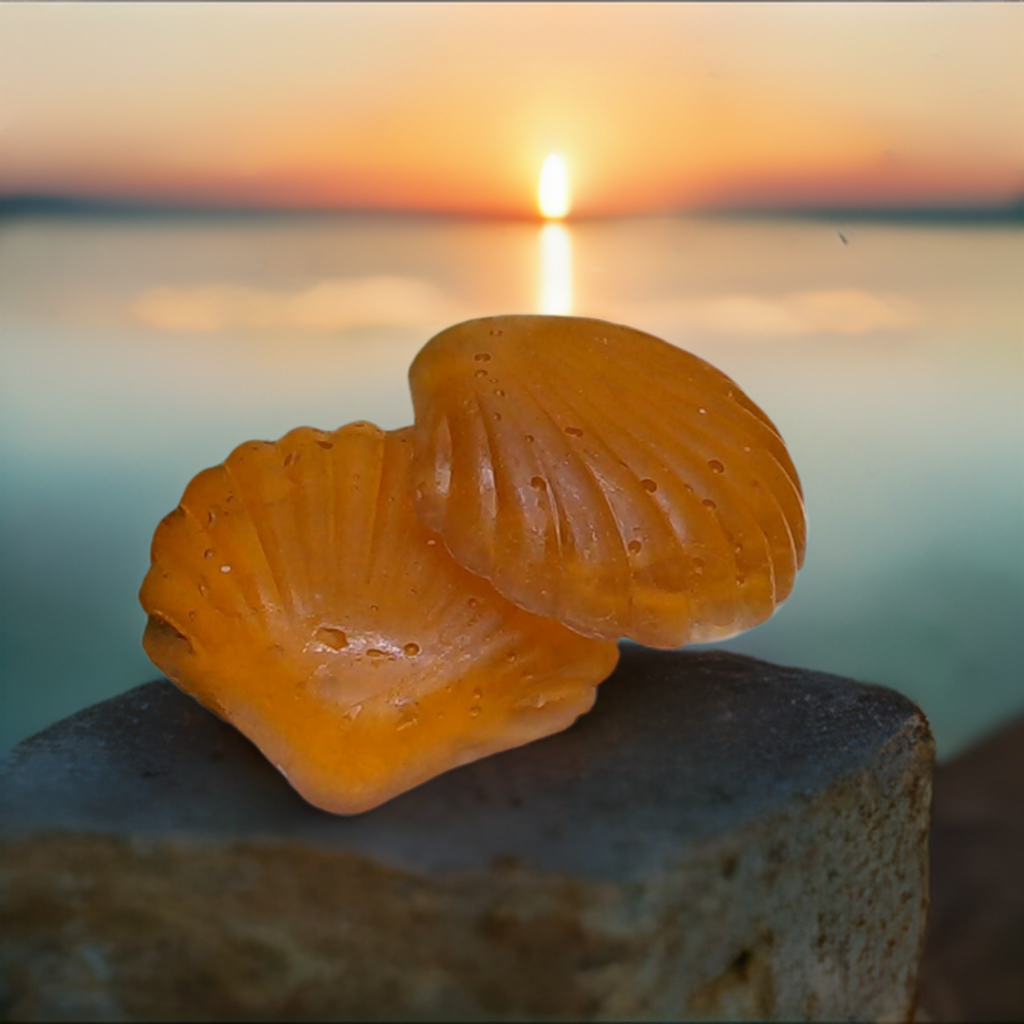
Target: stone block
(720,837)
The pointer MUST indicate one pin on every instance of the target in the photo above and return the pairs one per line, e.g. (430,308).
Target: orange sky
(454,106)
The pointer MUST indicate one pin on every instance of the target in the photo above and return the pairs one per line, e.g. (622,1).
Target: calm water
(135,352)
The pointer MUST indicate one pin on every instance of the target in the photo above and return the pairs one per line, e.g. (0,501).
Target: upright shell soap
(295,593)
(602,477)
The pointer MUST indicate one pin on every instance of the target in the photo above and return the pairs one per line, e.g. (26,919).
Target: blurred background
(221,222)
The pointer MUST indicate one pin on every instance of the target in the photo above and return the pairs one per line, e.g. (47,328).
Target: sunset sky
(454,107)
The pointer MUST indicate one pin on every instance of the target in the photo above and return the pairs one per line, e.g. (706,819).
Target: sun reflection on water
(555,270)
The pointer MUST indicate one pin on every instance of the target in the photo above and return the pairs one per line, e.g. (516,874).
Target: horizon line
(44,204)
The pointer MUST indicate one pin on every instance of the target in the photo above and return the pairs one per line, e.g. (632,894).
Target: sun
(553,199)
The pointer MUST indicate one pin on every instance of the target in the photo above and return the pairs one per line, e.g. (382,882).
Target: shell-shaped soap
(603,477)
(295,593)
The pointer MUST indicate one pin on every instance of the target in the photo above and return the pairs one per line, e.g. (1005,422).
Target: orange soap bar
(295,592)
(602,477)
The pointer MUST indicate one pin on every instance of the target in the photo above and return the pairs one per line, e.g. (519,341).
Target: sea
(137,349)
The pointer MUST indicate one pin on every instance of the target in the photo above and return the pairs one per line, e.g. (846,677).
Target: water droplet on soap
(328,445)
(374,654)
(708,503)
(472,602)
(499,393)
(203,590)
(648,485)
(529,438)
(353,712)
(574,431)
(477,694)
(634,547)
(538,483)
(411,650)
(540,700)
(208,553)
(225,568)
(291,458)
(698,565)
(482,357)
(473,712)
(480,373)
(703,411)
(497,417)
(716,466)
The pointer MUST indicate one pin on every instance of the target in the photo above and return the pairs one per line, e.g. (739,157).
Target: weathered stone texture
(720,837)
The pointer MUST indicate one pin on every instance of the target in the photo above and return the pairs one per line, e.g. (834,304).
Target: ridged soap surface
(603,477)
(295,592)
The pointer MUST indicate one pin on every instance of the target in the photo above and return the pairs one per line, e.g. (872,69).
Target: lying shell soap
(602,477)
(295,592)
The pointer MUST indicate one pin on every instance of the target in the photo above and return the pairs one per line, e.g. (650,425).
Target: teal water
(135,352)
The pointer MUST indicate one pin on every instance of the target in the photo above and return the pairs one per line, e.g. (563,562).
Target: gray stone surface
(720,837)
(973,967)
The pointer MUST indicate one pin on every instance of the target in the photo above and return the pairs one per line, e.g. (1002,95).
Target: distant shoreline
(18,207)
